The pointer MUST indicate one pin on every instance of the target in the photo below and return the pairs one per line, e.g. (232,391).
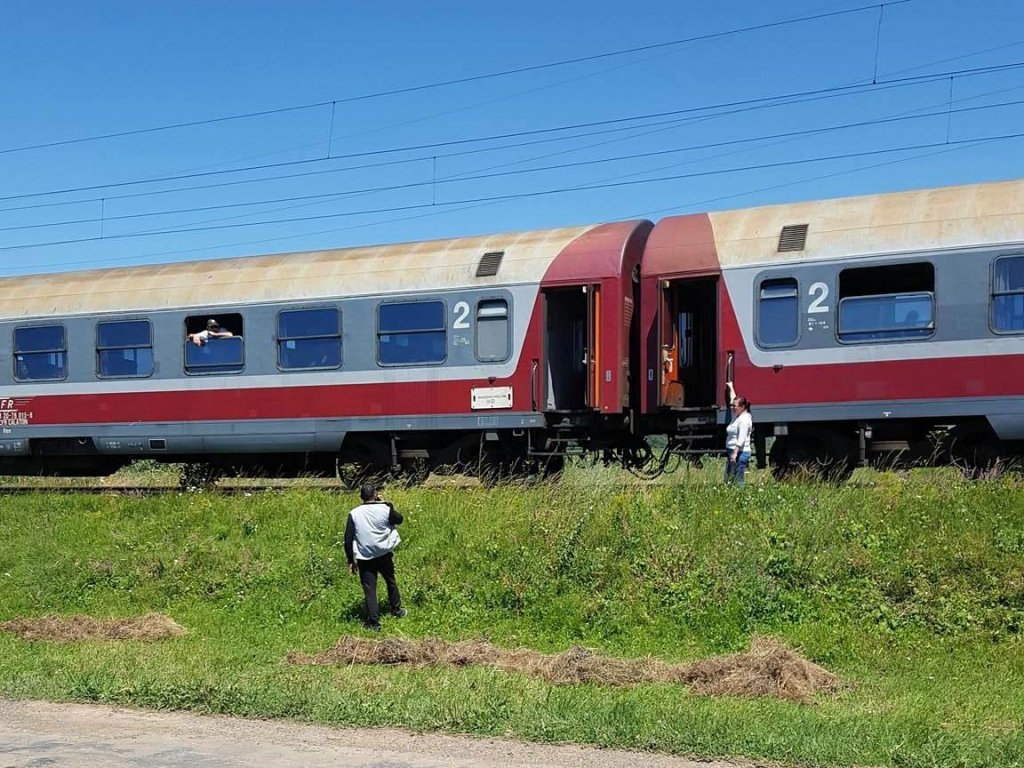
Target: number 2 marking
(820,292)
(461,313)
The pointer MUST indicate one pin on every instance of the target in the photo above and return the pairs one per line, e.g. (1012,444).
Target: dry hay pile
(769,668)
(66,629)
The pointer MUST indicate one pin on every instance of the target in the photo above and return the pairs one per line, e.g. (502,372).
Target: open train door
(593,346)
(671,393)
(572,362)
(687,342)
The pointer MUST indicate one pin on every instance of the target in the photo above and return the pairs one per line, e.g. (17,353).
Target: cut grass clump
(769,668)
(69,629)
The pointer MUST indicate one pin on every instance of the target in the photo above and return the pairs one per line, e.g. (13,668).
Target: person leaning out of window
(737,438)
(213,331)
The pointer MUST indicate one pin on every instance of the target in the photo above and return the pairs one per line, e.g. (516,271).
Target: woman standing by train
(737,438)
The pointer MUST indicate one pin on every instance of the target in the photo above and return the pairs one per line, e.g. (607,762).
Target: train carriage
(859,328)
(500,349)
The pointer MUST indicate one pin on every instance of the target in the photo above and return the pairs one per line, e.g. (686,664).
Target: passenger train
(858,328)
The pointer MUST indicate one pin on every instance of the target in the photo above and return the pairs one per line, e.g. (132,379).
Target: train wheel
(415,473)
(495,468)
(552,467)
(980,459)
(501,467)
(802,457)
(352,476)
(367,459)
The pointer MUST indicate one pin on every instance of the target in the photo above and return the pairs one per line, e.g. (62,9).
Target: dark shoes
(401,613)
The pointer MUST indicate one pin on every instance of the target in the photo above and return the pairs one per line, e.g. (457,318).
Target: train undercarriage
(826,451)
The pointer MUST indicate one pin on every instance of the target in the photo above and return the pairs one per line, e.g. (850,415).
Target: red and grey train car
(495,351)
(858,328)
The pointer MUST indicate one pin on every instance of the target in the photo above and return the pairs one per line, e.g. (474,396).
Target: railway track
(159,490)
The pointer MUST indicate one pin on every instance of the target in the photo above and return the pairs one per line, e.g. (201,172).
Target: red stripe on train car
(337,401)
(918,379)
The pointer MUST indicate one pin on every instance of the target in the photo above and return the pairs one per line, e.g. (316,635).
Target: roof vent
(489,264)
(793,237)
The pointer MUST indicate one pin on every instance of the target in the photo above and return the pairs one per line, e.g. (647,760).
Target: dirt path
(34,733)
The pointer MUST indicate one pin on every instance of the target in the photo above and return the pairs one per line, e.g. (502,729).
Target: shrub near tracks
(913,592)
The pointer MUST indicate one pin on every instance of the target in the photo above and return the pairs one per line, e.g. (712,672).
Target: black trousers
(368,570)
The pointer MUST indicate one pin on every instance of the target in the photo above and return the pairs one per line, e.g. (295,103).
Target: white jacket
(375,533)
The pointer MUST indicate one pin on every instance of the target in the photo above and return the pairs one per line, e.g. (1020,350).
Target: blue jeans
(736,470)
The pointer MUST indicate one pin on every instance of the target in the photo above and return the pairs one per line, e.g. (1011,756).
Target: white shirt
(737,434)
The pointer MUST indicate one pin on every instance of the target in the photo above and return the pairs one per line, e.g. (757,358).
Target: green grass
(911,589)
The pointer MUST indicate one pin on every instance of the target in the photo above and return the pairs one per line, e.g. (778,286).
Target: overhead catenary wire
(435,212)
(423,215)
(530,194)
(433,116)
(447,211)
(462,178)
(520,161)
(451,81)
(943,148)
(741,105)
(450,209)
(959,57)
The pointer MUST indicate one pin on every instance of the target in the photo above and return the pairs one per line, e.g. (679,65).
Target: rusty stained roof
(404,268)
(901,222)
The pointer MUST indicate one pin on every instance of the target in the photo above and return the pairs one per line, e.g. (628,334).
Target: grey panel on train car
(14,447)
(239,443)
(264,435)
(880,411)
(359,343)
(118,439)
(256,438)
(962,296)
(1008,426)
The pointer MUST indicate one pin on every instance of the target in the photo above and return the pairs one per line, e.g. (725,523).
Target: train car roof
(893,223)
(437,265)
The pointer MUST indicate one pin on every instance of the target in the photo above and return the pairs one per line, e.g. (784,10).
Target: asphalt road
(37,734)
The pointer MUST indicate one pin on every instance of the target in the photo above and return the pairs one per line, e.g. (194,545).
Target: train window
(40,353)
(124,348)
(214,344)
(1008,295)
(890,303)
(411,333)
(492,330)
(778,313)
(309,338)
(886,318)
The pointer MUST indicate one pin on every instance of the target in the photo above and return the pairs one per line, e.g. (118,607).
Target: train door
(687,342)
(572,344)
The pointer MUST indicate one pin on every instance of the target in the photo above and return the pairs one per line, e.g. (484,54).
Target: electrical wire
(452,81)
(461,178)
(742,105)
(531,194)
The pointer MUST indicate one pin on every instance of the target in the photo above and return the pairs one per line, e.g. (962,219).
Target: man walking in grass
(371,536)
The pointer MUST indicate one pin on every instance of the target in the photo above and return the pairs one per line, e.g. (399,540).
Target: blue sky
(77,69)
